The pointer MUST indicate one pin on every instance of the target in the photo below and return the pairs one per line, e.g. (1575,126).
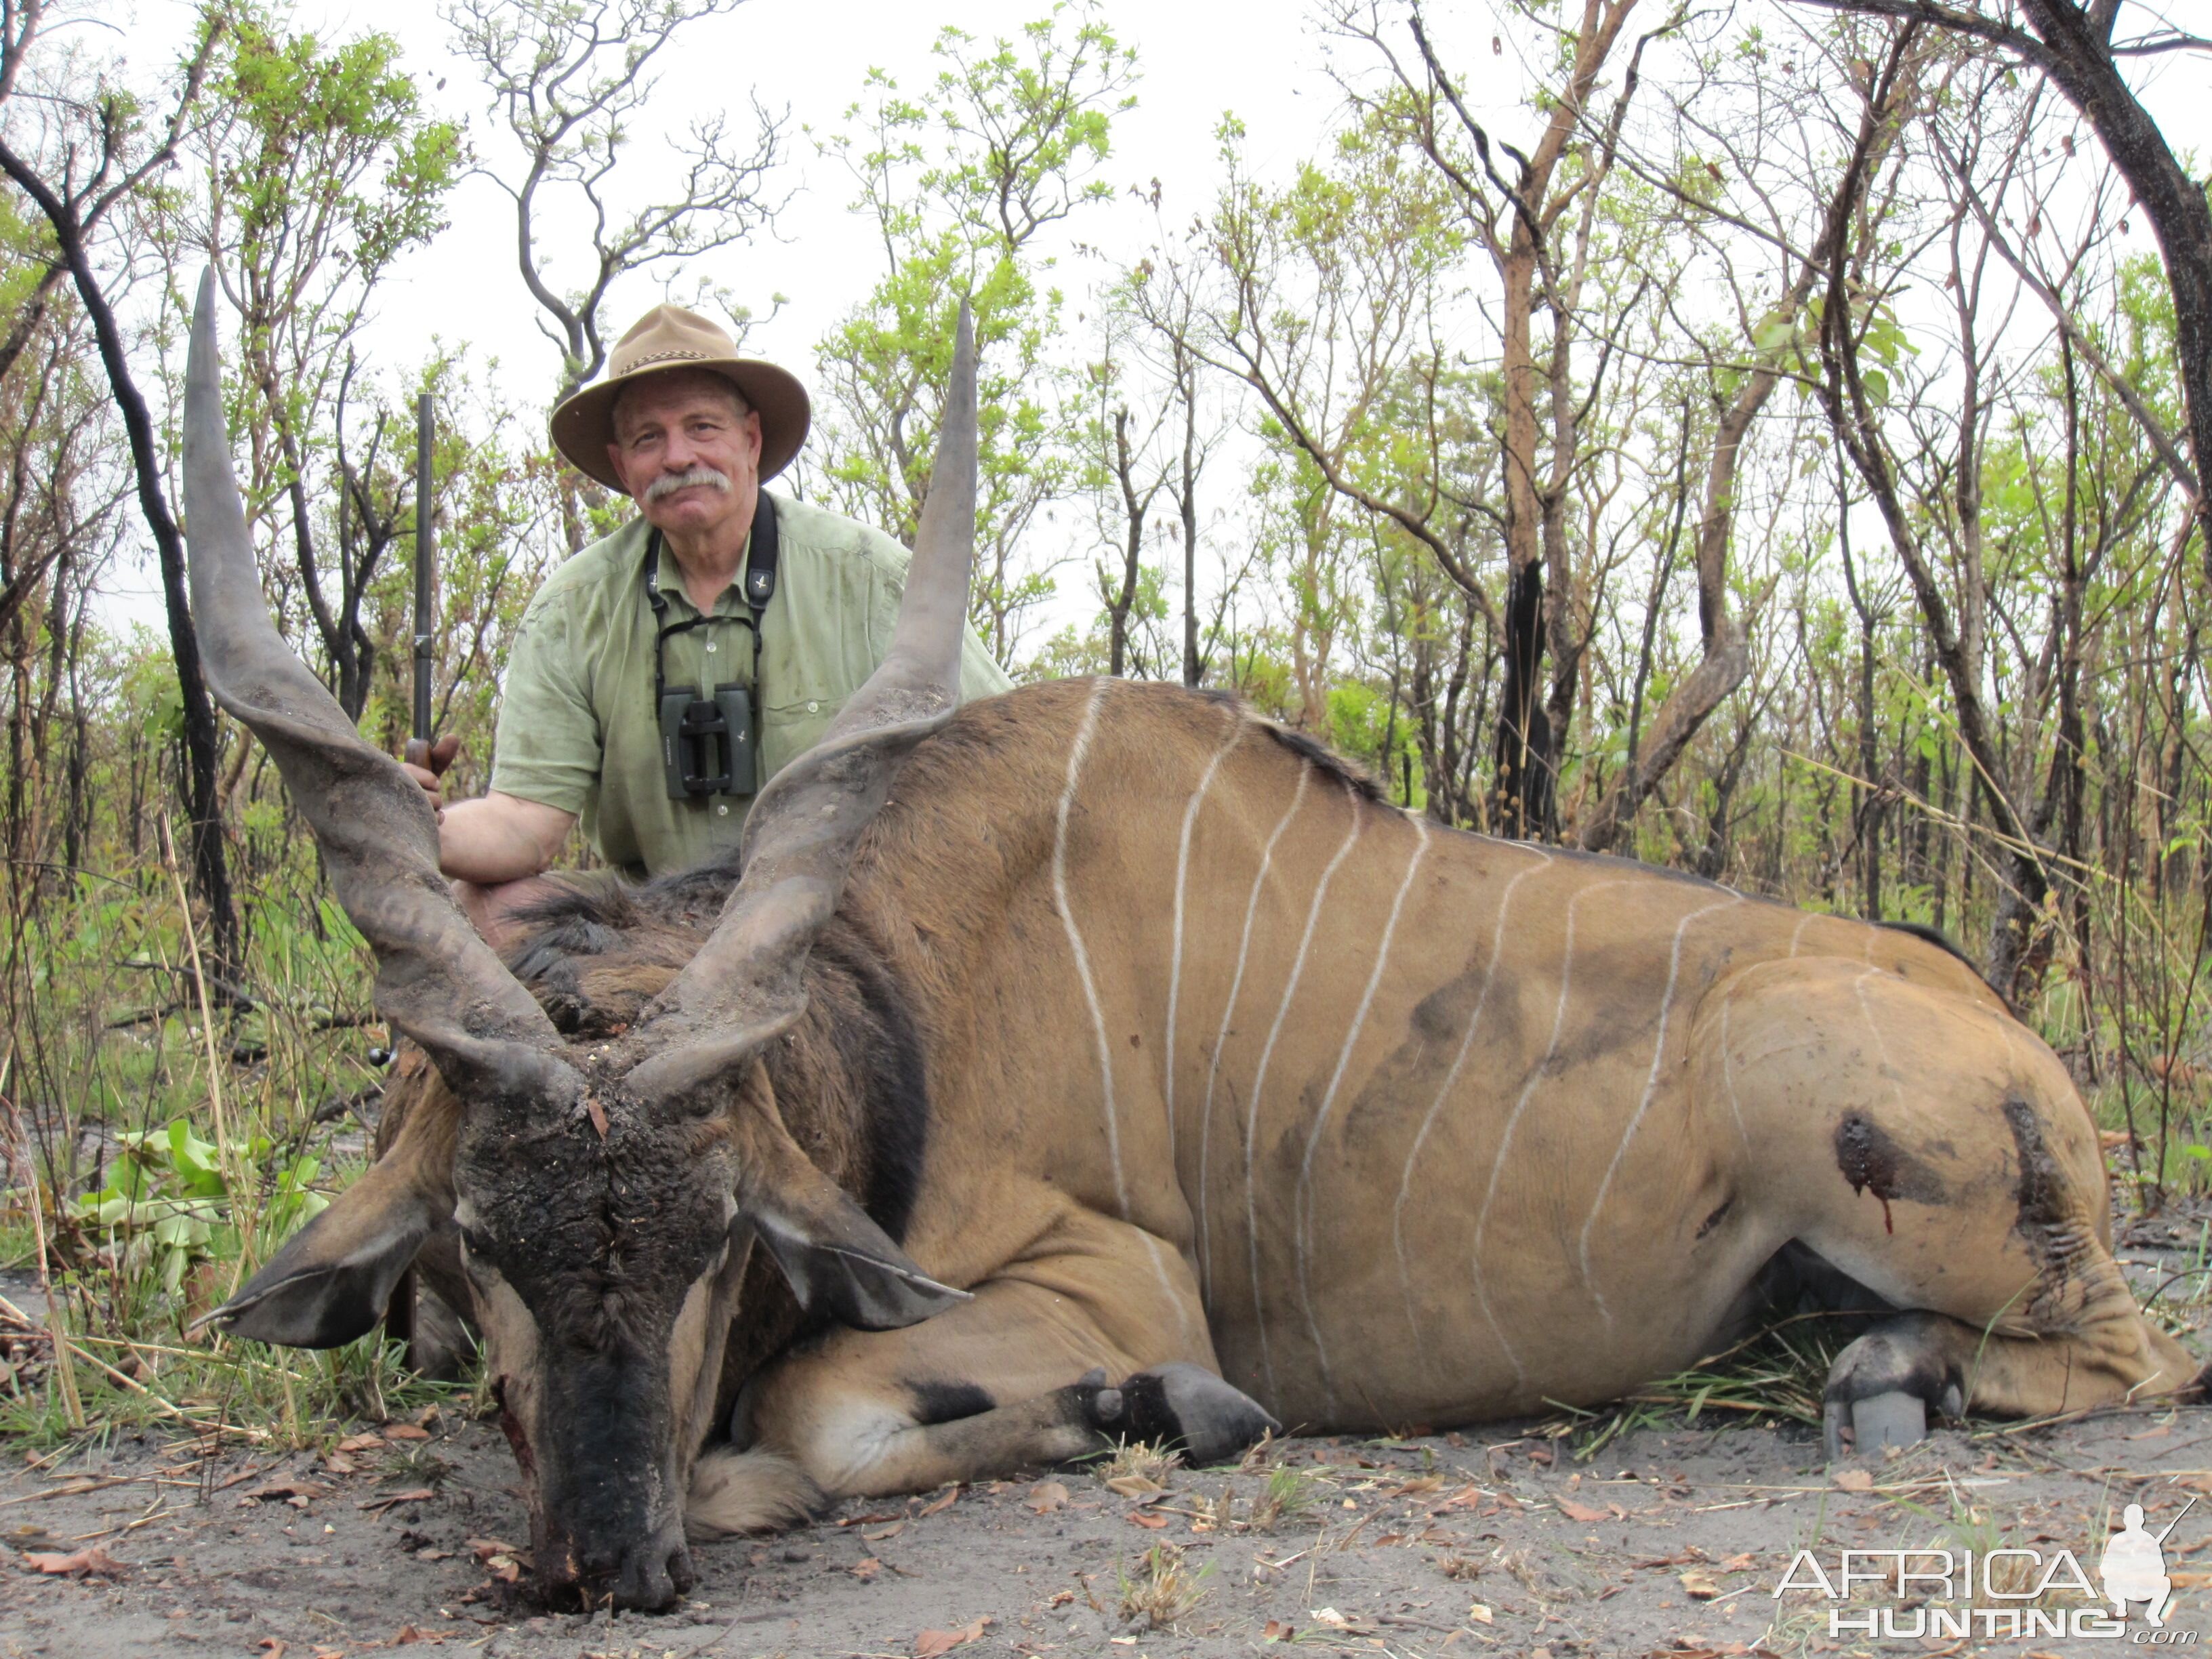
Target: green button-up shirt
(577,730)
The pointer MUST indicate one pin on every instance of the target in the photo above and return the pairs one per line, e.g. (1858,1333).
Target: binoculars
(707,743)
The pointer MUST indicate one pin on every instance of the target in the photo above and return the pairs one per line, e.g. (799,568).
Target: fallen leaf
(409,1636)
(1152,1521)
(1060,1598)
(360,1443)
(1046,1496)
(76,1565)
(1582,1512)
(1277,1631)
(877,1535)
(1743,1563)
(404,1431)
(1481,1614)
(1134,1485)
(1418,1485)
(872,1516)
(1701,1585)
(866,1568)
(339,1463)
(1855,1479)
(1329,1616)
(931,1643)
(503,1560)
(271,1646)
(937,1505)
(598,1114)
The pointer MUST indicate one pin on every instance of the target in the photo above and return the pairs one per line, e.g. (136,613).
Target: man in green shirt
(668,605)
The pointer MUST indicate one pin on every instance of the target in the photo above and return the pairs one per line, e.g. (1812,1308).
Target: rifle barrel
(2177,1520)
(425,565)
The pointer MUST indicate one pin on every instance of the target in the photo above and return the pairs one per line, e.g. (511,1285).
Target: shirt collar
(668,577)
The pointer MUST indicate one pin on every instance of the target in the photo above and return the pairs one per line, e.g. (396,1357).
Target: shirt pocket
(822,652)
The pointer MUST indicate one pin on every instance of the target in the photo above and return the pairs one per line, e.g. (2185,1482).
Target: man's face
(677,434)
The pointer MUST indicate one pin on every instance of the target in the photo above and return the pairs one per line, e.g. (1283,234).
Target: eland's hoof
(1888,1419)
(1182,1406)
(1878,1422)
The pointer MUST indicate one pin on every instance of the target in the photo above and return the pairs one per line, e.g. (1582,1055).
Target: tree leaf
(931,1643)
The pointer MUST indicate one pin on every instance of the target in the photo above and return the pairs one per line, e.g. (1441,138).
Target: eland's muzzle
(649,1576)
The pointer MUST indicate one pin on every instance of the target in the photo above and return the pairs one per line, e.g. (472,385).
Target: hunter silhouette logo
(2134,1568)
(2010,1593)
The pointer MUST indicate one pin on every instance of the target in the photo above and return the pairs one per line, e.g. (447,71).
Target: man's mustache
(669,482)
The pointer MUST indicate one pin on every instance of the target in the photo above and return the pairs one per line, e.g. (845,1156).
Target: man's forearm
(496,837)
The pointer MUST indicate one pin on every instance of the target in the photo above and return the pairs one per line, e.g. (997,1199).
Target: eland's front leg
(1057,1358)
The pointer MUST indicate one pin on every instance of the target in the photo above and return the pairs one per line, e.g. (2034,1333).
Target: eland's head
(606,1191)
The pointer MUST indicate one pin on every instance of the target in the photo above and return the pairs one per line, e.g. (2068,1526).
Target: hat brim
(584,426)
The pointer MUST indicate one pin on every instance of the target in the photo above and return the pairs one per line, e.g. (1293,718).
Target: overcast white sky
(1199,58)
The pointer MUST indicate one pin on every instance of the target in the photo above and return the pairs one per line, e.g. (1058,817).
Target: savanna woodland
(1770,443)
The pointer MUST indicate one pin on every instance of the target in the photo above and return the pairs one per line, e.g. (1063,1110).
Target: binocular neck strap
(756,589)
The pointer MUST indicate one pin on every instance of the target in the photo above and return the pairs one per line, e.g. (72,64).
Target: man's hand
(427,764)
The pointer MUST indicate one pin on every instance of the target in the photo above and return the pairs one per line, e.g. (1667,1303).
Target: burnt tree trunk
(210,870)
(1522,798)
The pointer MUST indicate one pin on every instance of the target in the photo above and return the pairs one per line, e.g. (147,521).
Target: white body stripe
(1259,1078)
(1228,1011)
(1182,874)
(1302,1215)
(1650,1088)
(1443,1093)
(1513,1122)
(1728,1079)
(1075,757)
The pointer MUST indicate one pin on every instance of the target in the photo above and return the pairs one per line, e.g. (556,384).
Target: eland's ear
(334,1278)
(838,1262)
(841,1263)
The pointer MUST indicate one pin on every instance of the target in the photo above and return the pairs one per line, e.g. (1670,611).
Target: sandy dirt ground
(1668,1541)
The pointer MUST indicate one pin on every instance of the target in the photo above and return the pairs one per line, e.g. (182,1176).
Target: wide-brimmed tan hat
(670,338)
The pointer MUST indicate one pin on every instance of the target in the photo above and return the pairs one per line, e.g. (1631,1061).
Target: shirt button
(710,647)
(813,708)
(723,812)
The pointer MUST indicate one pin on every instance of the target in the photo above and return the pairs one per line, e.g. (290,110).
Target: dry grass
(1162,1590)
(1138,1463)
(1288,1495)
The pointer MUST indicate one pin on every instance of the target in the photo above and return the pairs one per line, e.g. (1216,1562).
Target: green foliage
(168,1197)
(959,182)
(328,150)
